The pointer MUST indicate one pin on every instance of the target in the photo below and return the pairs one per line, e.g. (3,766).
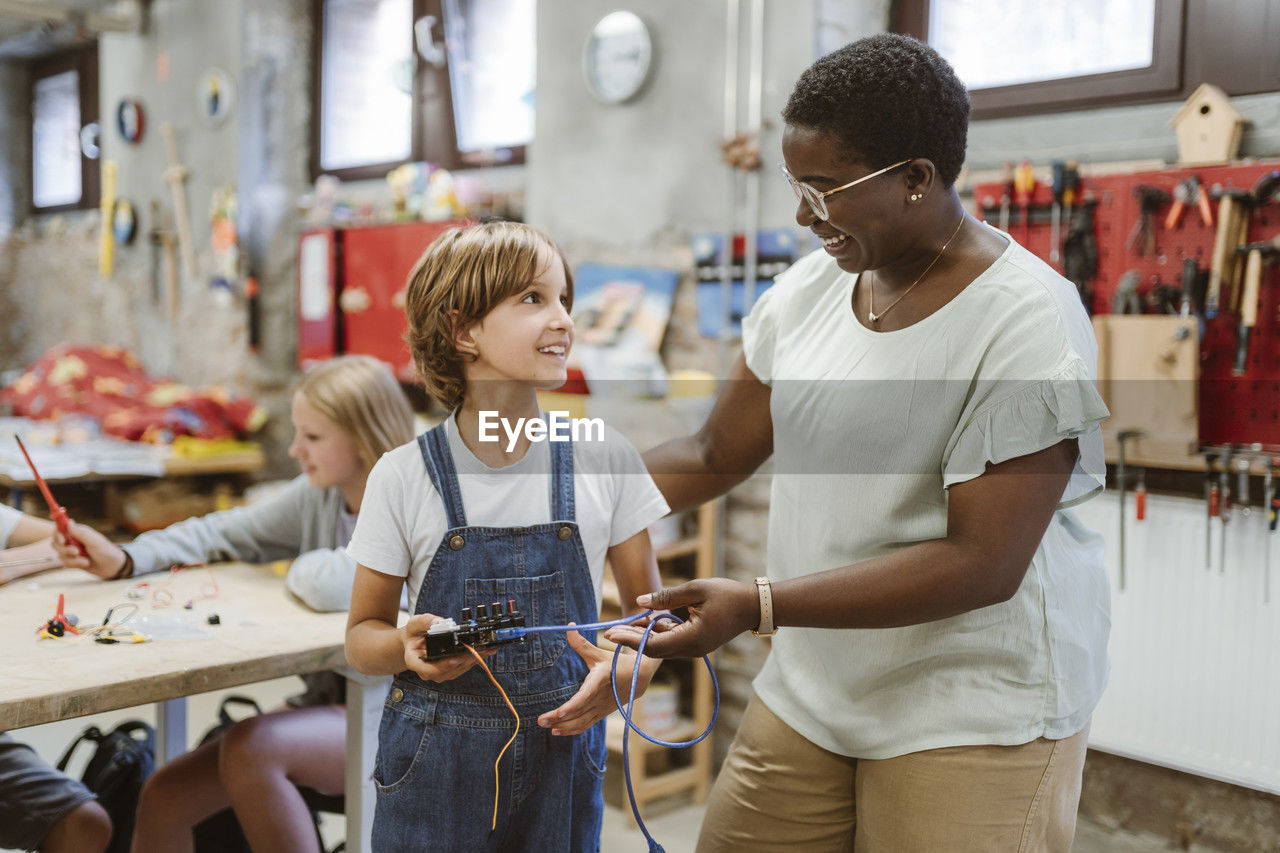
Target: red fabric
(109,384)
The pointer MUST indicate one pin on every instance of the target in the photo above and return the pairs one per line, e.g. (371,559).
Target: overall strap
(562,480)
(434,445)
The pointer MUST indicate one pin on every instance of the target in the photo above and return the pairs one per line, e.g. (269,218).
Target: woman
(924,385)
(346,414)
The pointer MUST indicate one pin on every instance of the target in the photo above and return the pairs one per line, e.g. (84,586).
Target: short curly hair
(469,271)
(887,97)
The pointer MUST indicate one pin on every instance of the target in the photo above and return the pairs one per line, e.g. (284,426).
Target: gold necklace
(873,316)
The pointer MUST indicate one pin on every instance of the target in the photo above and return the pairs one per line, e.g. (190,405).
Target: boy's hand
(413,636)
(594,700)
(102,556)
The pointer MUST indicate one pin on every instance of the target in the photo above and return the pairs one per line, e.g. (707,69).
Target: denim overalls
(437,741)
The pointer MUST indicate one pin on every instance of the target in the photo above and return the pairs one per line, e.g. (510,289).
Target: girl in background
(346,414)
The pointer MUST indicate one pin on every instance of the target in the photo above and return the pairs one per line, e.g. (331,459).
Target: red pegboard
(1241,410)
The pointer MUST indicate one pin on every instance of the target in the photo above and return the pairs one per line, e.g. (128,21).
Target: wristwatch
(766,628)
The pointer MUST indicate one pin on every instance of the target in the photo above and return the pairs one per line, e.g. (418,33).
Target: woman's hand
(413,635)
(594,700)
(719,610)
(102,557)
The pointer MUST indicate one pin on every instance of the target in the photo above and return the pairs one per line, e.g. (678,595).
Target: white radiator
(1195,654)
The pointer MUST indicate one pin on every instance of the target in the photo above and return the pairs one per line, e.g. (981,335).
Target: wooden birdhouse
(1208,127)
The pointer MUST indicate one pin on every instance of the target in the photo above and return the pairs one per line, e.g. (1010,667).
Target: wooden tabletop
(240,462)
(263,633)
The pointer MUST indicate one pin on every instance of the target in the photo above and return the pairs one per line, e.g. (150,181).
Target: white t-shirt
(402,518)
(870,430)
(9,518)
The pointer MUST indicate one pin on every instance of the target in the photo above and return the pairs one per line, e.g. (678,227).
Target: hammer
(1121,481)
(1232,204)
(1249,302)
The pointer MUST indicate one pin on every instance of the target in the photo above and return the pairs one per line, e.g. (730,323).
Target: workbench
(263,633)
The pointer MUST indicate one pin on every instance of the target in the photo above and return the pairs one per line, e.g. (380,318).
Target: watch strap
(766,628)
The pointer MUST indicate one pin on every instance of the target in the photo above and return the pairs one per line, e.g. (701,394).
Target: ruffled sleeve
(1016,419)
(760,334)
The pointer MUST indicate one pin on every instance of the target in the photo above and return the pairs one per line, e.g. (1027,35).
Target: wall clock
(617,57)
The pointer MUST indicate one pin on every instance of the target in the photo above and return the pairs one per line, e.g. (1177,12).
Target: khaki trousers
(778,791)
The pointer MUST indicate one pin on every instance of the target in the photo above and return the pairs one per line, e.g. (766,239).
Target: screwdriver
(1006,196)
(1273,510)
(1024,187)
(1059,169)
(1211,500)
(1225,510)
(56,511)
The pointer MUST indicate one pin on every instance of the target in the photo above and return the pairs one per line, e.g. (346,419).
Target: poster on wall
(776,249)
(620,315)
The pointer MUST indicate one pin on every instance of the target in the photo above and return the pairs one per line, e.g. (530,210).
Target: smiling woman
(925,388)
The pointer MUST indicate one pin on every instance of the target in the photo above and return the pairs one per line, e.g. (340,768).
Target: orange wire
(496,780)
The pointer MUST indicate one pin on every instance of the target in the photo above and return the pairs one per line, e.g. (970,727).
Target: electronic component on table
(479,629)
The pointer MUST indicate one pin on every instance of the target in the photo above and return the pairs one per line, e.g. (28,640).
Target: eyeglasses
(817,200)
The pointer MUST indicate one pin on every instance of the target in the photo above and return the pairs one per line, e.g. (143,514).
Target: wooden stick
(174,176)
(107,208)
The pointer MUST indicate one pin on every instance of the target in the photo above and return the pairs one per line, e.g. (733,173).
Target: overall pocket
(542,601)
(404,732)
(592,753)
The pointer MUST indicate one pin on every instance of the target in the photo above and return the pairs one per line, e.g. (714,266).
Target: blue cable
(654,846)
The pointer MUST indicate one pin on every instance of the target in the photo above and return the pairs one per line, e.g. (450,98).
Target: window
(64,98)
(1019,58)
(446,81)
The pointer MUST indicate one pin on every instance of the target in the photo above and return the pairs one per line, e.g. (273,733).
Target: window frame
(84,61)
(434,135)
(1158,81)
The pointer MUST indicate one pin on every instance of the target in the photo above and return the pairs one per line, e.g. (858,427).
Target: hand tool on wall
(1201,197)
(1273,512)
(1142,238)
(165,243)
(1070,189)
(1058,170)
(1249,298)
(1006,196)
(107,209)
(1242,486)
(1122,439)
(1224,509)
(1024,187)
(1125,300)
(175,176)
(1080,254)
(1181,196)
(1212,497)
(1231,202)
(1267,188)
(1190,270)
(1140,496)
(1233,273)
(56,511)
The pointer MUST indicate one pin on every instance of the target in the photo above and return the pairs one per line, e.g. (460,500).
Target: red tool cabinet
(351,285)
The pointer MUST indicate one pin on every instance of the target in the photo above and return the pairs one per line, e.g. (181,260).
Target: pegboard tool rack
(1243,411)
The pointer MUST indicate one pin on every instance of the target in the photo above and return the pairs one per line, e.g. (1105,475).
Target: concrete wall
(52,268)
(15,129)
(1111,134)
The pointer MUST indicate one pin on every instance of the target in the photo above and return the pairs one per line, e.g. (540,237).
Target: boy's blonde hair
(361,396)
(460,278)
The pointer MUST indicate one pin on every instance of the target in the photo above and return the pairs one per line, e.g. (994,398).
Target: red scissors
(56,511)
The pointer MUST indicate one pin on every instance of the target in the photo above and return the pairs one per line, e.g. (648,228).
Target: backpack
(221,832)
(123,760)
